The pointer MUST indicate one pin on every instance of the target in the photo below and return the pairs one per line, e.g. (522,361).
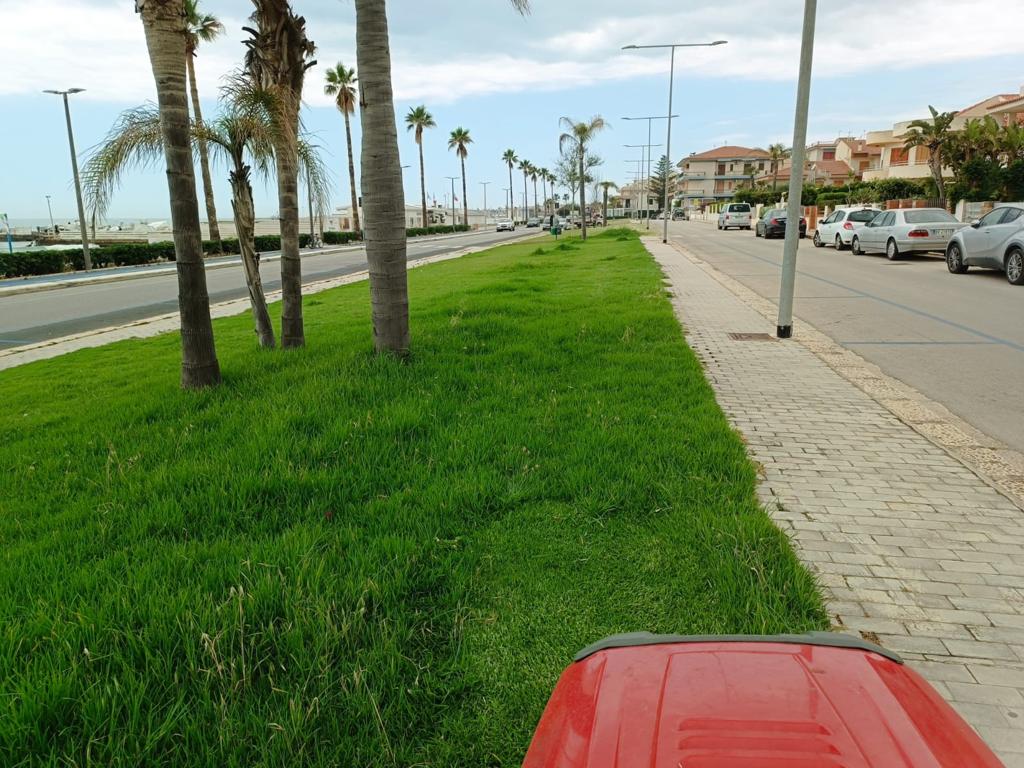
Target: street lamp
(453,180)
(671,79)
(74,168)
(484,185)
(650,119)
(508,201)
(646,180)
(50,209)
(636,184)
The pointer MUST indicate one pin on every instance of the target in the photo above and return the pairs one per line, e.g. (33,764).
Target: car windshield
(928,215)
(862,216)
(739,208)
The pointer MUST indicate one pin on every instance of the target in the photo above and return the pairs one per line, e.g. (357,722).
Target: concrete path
(913,549)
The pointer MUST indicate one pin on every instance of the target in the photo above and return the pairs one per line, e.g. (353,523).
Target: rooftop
(728,153)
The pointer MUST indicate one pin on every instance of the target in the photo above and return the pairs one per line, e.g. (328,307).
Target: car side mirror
(976,223)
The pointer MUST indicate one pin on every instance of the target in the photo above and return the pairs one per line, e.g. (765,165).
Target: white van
(734,215)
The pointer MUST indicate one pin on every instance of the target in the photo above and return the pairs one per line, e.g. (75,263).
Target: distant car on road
(996,241)
(533,221)
(904,231)
(839,228)
(506,226)
(773,224)
(681,214)
(734,215)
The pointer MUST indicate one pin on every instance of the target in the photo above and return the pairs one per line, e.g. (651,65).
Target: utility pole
(484,185)
(50,209)
(784,326)
(453,180)
(74,169)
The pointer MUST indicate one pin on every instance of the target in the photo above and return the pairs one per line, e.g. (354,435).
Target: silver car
(907,230)
(996,241)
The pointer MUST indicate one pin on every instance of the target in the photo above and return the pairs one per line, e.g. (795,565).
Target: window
(828,154)
(992,217)
(760,166)
(721,169)
(927,216)
(739,208)
(899,156)
(1012,214)
(890,219)
(862,216)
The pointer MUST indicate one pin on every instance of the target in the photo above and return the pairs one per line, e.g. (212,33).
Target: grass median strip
(338,559)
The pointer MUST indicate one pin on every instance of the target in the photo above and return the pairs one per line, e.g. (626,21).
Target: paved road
(957,339)
(32,317)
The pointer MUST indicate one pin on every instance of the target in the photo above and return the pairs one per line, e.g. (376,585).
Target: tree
(340,83)
(661,179)
(777,154)
(510,159)
(165,29)
(417,120)
(534,171)
(605,186)
(278,55)
(578,136)
(543,173)
(459,140)
(525,166)
(934,134)
(202,28)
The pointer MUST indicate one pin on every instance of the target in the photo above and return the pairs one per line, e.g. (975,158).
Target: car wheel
(1015,267)
(757,231)
(719,227)
(892,251)
(840,246)
(955,259)
(856,246)
(817,240)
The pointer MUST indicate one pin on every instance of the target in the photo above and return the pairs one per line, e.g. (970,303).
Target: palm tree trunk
(309,195)
(536,210)
(526,200)
(544,190)
(204,159)
(245,218)
(383,196)
(465,201)
(935,160)
(511,214)
(604,207)
(583,197)
(163,22)
(423,177)
(292,331)
(352,177)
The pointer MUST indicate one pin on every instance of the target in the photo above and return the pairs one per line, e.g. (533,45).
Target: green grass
(343,560)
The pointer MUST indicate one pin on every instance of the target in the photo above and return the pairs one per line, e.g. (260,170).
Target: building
(896,161)
(632,199)
(714,175)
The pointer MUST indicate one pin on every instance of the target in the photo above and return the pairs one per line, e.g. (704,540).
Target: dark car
(773,224)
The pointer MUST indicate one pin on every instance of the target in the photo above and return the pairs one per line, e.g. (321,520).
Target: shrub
(340,238)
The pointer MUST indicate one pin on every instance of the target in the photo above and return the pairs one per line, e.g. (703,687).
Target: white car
(996,241)
(734,215)
(506,226)
(907,230)
(839,228)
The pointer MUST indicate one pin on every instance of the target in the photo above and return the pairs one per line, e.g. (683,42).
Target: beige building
(714,175)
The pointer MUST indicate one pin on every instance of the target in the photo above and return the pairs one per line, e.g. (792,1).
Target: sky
(508,78)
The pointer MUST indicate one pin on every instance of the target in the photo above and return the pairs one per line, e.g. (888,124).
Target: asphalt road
(28,318)
(959,339)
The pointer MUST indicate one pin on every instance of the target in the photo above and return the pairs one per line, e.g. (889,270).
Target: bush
(340,238)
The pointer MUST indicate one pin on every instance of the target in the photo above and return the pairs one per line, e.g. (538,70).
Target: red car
(821,700)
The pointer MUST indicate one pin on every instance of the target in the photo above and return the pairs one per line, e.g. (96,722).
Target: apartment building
(705,177)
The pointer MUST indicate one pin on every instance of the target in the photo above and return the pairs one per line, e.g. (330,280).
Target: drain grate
(752,337)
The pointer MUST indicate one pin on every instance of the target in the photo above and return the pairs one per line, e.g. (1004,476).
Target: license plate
(943,232)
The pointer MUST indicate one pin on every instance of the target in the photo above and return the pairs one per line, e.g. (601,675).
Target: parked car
(838,229)
(564,223)
(533,221)
(906,230)
(773,224)
(506,226)
(734,215)
(681,214)
(996,241)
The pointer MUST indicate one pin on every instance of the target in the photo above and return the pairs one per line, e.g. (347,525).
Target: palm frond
(313,170)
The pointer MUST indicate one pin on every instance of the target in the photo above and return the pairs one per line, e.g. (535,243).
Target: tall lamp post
(636,184)
(646,177)
(50,209)
(453,179)
(650,119)
(484,185)
(671,83)
(74,168)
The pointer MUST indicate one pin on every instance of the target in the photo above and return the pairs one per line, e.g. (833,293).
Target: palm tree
(605,186)
(577,136)
(202,28)
(510,160)
(935,135)
(534,171)
(459,141)
(525,166)
(164,24)
(278,55)
(341,85)
(418,119)
(552,179)
(777,153)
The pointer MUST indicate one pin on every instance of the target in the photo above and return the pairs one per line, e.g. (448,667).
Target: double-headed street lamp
(645,184)
(74,169)
(650,119)
(453,179)
(484,185)
(671,82)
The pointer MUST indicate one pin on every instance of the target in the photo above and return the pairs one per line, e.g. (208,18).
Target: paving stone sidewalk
(912,548)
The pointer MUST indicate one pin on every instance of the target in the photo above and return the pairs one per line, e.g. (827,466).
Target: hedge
(49,261)
(340,238)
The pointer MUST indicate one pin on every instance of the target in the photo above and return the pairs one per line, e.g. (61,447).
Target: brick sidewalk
(912,548)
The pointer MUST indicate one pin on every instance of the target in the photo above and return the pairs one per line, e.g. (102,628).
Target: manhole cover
(752,337)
